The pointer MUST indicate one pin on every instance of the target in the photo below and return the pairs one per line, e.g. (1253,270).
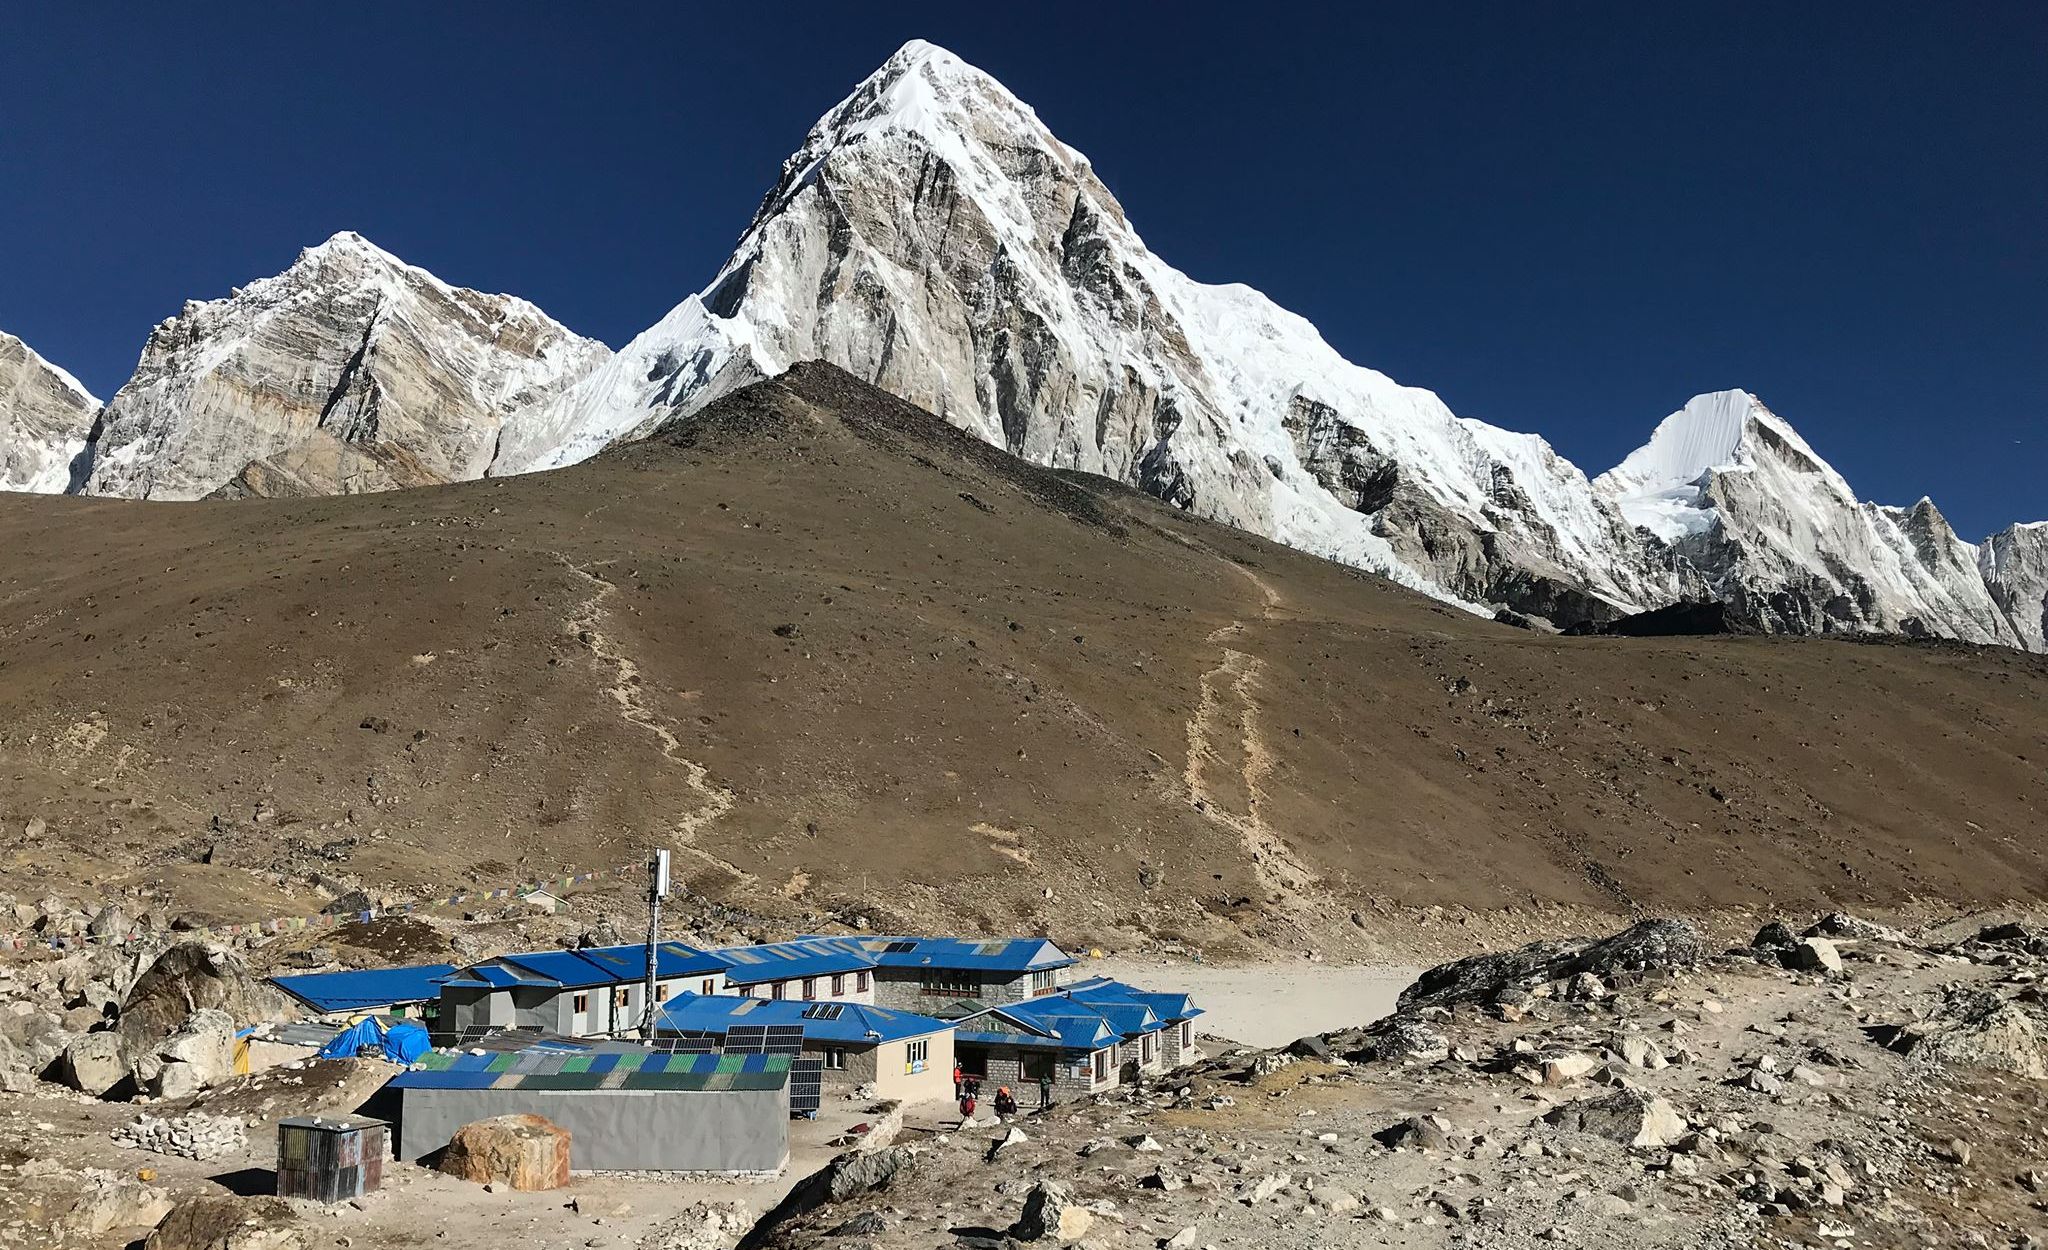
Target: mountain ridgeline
(932,237)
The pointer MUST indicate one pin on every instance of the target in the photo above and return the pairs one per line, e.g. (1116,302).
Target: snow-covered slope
(351,370)
(932,236)
(45,419)
(1740,508)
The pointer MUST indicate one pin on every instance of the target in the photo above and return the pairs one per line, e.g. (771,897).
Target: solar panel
(899,948)
(824,1011)
(782,1039)
(746,1039)
(806,1086)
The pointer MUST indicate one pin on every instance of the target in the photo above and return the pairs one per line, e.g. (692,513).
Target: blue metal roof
(362,990)
(854,1023)
(1048,1032)
(1169,1007)
(598,965)
(967,954)
(1085,1016)
(807,957)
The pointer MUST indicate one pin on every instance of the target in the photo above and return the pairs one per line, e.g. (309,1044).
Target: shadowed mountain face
(829,647)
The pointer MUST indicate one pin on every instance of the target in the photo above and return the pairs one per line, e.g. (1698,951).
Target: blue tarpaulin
(400,1041)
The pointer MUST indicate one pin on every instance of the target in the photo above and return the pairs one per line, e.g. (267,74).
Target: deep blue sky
(1565,218)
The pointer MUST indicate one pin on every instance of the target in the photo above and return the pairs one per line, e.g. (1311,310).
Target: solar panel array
(746,1039)
(806,1086)
(824,1011)
(783,1039)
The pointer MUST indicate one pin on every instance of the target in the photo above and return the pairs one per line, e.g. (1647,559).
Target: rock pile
(194,1136)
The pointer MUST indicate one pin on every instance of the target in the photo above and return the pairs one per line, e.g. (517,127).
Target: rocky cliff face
(350,370)
(1736,506)
(2014,563)
(46,418)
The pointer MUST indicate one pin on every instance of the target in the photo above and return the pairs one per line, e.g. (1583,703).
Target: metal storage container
(330,1158)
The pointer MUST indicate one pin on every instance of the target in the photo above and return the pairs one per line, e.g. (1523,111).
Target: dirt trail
(1227,721)
(626,691)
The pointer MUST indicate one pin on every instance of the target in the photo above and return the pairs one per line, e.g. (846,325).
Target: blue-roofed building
(927,974)
(834,969)
(385,991)
(905,1056)
(1079,1040)
(581,993)
(905,973)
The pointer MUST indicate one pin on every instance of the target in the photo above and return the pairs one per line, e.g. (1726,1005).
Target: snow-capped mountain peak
(1748,512)
(350,370)
(930,235)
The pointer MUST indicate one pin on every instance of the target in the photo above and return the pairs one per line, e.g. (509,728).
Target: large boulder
(848,1176)
(225,1222)
(522,1151)
(1978,1028)
(1628,1116)
(1648,946)
(188,978)
(93,1064)
(201,1054)
(1051,1214)
(1814,954)
(31,1039)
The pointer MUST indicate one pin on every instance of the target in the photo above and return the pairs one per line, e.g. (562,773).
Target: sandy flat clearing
(1268,1004)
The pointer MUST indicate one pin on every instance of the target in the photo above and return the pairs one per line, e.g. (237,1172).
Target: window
(708,983)
(914,1056)
(778,991)
(838,984)
(661,993)
(580,1004)
(1187,1035)
(860,982)
(835,1059)
(810,989)
(1145,1047)
(946,983)
(1101,1066)
(620,996)
(1044,982)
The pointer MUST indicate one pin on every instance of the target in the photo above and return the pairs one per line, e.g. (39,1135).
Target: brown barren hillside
(833,651)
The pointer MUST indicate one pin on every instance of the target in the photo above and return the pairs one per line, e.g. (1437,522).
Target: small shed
(330,1158)
(626,1110)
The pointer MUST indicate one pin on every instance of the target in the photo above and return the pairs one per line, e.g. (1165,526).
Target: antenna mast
(657,890)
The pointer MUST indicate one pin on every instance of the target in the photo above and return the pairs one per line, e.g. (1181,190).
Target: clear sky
(1562,217)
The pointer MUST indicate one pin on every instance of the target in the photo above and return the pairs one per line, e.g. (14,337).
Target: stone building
(1083,1039)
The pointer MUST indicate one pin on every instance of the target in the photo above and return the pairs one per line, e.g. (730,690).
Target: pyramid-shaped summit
(932,236)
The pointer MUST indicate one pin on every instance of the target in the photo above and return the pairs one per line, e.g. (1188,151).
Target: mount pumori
(932,236)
